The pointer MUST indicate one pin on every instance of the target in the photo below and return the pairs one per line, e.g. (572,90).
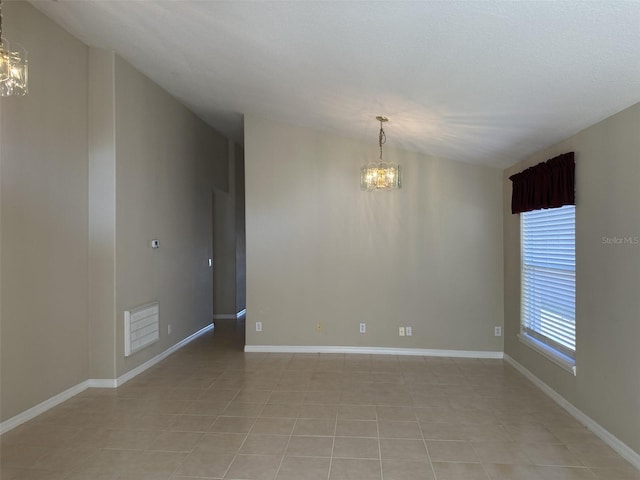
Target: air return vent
(141,327)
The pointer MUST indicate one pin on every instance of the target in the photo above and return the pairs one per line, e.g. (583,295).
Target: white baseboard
(48,404)
(607,437)
(230,316)
(158,358)
(422,352)
(103,383)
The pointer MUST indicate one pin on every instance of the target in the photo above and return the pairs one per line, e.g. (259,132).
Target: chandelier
(13,66)
(380,175)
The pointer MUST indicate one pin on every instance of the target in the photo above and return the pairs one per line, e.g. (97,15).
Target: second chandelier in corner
(13,67)
(380,175)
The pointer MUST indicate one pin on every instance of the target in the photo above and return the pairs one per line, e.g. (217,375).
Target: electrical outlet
(408,331)
(258,326)
(169,329)
(363,328)
(318,327)
(401,331)
(497,331)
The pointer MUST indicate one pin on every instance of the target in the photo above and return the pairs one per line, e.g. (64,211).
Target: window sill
(566,363)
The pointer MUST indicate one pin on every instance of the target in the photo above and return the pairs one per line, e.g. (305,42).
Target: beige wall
(607,384)
(228,240)
(167,164)
(319,250)
(95,162)
(241,250)
(102,213)
(224,243)
(44,245)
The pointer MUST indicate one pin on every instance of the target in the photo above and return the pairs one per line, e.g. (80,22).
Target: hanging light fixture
(380,175)
(13,67)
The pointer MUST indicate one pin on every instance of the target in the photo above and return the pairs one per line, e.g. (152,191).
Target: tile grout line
(235,455)
(333,441)
(286,447)
(482,464)
(424,441)
(379,444)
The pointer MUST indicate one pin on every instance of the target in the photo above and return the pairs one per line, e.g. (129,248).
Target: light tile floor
(210,411)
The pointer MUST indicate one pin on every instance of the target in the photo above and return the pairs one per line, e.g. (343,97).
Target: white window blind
(549,277)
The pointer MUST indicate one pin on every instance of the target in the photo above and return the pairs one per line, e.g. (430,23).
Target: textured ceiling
(480,82)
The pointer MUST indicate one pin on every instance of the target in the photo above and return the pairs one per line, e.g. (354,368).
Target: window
(549,283)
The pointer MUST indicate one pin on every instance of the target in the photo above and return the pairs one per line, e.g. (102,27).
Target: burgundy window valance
(549,184)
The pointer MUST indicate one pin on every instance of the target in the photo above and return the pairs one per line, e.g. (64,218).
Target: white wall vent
(141,327)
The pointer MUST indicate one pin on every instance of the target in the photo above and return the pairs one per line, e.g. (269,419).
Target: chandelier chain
(382,138)
(0,18)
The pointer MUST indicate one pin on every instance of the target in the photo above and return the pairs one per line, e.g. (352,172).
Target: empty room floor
(210,411)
